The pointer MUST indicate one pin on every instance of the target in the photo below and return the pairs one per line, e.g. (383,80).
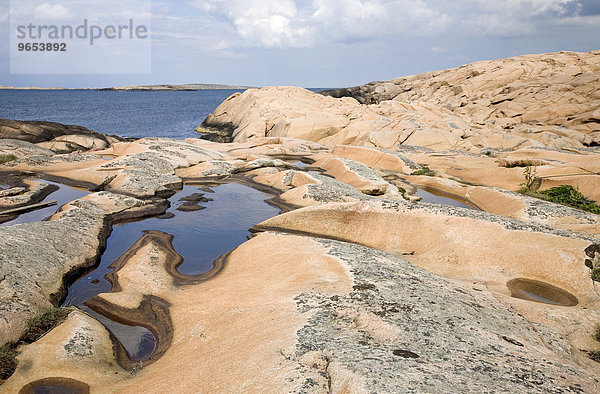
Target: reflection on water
(200,236)
(63,195)
(300,164)
(441,198)
(55,386)
(533,290)
(139,342)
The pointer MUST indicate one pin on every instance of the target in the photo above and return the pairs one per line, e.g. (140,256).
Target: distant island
(140,88)
(32,88)
(186,87)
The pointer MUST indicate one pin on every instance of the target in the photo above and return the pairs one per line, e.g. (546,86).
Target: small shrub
(595,355)
(7,158)
(568,195)
(424,171)
(597,334)
(565,195)
(530,174)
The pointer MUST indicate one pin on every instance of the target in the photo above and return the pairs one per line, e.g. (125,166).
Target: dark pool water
(55,386)
(533,290)
(200,236)
(441,198)
(139,341)
(63,195)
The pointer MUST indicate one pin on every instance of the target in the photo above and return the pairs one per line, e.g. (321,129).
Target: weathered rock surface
(579,168)
(515,205)
(299,113)
(35,258)
(55,137)
(535,100)
(144,168)
(32,192)
(21,149)
(557,91)
(343,317)
(469,248)
(355,174)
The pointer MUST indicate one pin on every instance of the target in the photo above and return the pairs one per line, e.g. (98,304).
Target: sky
(319,43)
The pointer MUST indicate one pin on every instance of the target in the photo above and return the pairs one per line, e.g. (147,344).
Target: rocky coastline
(357,286)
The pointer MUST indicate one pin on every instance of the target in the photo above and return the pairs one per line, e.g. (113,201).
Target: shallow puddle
(139,341)
(299,164)
(439,197)
(55,386)
(200,237)
(63,195)
(533,290)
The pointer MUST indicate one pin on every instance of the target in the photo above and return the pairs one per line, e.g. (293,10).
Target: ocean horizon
(167,114)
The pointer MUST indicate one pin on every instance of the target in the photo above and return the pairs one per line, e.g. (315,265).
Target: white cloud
(298,23)
(52,12)
(306,23)
(366,19)
(507,18)
(265,23)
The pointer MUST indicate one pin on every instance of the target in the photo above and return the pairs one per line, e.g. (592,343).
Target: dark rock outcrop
(56,137)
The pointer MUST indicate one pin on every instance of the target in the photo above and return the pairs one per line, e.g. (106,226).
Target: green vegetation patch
(37,327)
(466,182)
(424,171)
(7,158)
(596,278)
(8,361)
(565,195)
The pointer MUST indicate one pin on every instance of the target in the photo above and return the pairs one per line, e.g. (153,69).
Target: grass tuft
(7,158)
(37,327)
(8,361)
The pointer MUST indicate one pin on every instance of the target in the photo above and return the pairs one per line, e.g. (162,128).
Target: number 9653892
(42,47)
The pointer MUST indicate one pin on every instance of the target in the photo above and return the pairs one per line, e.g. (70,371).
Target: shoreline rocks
(54,137)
